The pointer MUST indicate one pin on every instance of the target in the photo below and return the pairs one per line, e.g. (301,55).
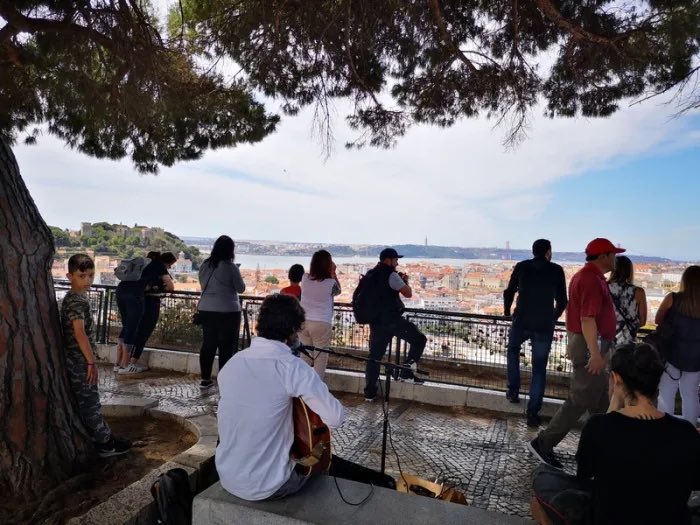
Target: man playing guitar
(258,386)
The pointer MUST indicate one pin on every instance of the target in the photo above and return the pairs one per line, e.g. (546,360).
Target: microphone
(298,348)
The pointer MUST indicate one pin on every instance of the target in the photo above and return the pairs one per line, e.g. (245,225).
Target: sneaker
(205,386)
(533,420)
(545,457)
(117,367)
(114,447)
(133,368)
(513,398)
(370,399)
(415,380)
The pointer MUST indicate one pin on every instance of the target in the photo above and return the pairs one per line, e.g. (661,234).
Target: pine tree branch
(27,24)
(447,39)
(577,32)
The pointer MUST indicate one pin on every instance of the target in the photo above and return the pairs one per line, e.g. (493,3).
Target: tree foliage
(106,238)
(102,77)
(435,61)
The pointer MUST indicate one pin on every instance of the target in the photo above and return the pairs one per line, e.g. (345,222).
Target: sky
(632,178)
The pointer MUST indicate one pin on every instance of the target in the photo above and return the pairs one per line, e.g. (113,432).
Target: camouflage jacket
(76,306)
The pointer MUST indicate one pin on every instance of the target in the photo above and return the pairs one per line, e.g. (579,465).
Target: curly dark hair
(167,258)
(639,366)
(280,317)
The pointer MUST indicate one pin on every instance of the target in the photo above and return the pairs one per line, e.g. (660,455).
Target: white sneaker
(117,367)
(133,368)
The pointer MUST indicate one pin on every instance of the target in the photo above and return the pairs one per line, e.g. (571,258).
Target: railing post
(246,326)
(397,357)
(107,299)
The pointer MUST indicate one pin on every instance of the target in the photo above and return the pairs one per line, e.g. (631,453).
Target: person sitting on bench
(256,431)
(636,464)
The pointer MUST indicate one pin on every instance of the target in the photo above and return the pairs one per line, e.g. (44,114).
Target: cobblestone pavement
(482,453)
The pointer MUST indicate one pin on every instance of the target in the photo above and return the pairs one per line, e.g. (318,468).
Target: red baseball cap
(600,245)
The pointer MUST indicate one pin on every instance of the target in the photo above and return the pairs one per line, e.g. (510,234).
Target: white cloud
(458,186)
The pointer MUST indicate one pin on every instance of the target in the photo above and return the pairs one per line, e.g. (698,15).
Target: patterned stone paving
(482,453)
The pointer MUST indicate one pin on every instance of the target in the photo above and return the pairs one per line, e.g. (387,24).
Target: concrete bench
(320,503)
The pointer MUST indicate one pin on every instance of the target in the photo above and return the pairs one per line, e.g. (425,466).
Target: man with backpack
(377,302)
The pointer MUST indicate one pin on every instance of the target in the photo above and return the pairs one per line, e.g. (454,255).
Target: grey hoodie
(220,292)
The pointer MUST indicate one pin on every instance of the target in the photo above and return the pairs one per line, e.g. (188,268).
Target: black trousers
(380,336)
(220,332)
(340,468)
(149,320)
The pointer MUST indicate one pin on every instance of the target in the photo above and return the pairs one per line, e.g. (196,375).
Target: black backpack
(366,302)
(173,497)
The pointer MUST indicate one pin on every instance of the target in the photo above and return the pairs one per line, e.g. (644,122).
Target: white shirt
(255,416)
(317,298)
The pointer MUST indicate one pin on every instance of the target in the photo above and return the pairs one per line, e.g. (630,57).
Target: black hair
(296,272)
(280,317)
(167,258)
(153,255)
(639,366)
(540,247)
(623,272)
(221,251)
(80,262)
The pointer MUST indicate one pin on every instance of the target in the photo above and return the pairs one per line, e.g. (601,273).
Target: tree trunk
(42,441)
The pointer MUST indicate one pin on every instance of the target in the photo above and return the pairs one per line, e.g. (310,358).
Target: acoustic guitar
(311,450)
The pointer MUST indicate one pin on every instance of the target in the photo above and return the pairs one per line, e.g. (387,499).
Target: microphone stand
(389,368)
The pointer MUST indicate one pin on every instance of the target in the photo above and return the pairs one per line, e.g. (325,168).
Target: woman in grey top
(219,307)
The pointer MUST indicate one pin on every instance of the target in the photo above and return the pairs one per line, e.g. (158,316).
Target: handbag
(663,338)
(197,316)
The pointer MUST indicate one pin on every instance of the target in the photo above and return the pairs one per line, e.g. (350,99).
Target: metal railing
(462,349)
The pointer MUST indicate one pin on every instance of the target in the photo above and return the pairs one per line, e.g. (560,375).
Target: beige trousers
(318,334)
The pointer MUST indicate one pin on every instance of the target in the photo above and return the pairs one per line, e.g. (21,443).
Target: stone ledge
(134,504)
(127,406)
(319,502)
(353,382)
(440,394)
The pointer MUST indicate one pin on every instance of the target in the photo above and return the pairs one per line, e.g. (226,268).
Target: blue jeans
(131,305)
(541,345)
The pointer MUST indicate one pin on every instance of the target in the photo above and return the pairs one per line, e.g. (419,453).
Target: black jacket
(539,284)
(392,306)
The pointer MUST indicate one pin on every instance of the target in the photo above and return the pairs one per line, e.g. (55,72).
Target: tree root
(52,508)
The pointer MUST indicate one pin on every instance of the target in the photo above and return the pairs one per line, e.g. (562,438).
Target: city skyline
(628,177)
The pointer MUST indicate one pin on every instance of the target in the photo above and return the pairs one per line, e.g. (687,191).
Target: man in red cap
(590,314)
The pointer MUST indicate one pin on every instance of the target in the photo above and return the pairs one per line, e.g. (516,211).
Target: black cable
(350,502)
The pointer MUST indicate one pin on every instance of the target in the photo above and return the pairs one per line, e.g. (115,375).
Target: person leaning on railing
(541,288)
(390,322)
(219,307)
(157,281)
